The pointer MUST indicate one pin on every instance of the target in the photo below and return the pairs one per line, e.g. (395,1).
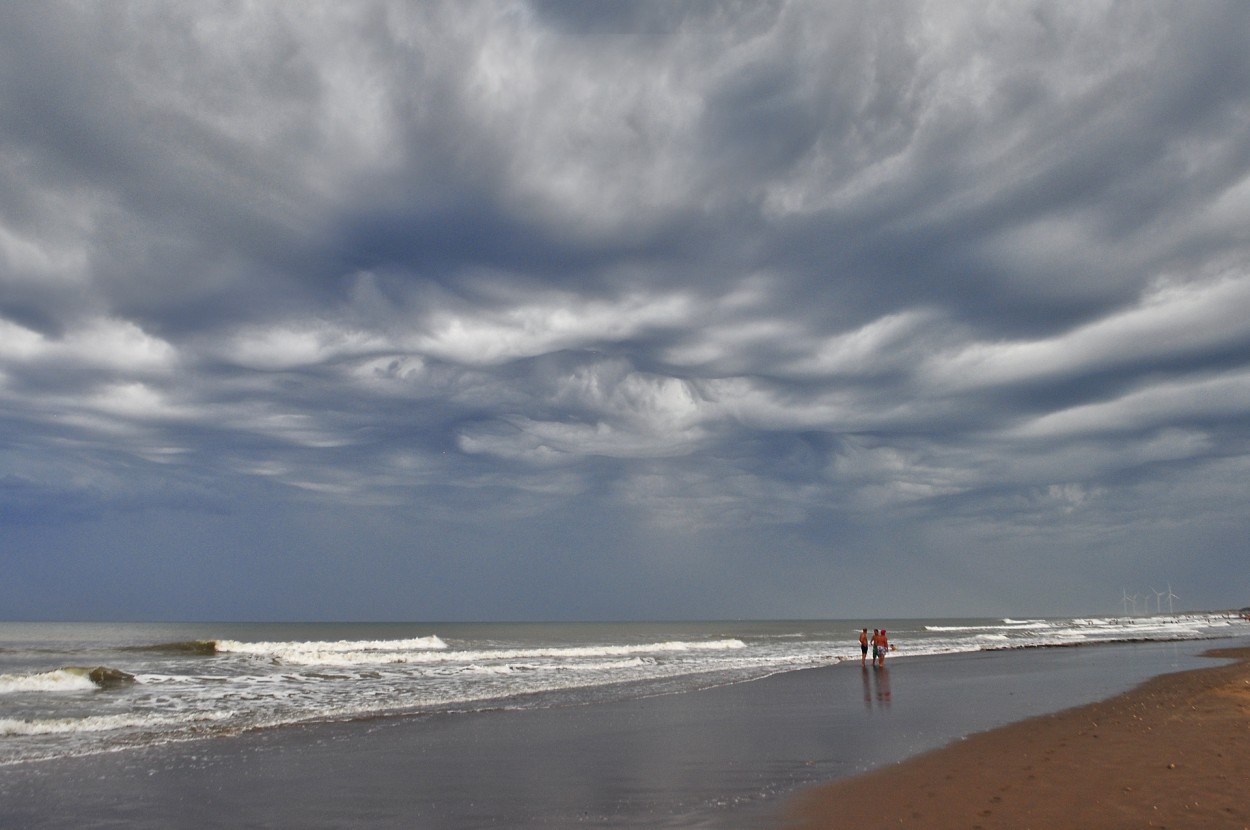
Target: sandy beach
(1173,753)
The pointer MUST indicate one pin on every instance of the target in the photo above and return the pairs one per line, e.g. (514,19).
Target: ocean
(77,689)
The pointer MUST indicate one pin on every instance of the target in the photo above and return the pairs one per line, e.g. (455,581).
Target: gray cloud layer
(775,291)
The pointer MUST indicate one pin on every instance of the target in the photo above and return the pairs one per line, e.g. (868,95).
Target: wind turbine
(1124,598)
(1134,598)
(1171,596)
(1158,598)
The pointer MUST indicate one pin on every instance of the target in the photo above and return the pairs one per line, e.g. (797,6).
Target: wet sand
(1172,753)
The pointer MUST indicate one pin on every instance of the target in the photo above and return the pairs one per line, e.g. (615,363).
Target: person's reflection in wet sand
(876,688)
(881,678)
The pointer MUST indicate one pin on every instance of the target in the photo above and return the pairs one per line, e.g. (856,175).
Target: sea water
(70,689)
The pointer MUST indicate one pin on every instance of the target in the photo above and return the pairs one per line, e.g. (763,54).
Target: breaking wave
(432,650)
(206,647)
(66,679)
(103,723)
(301,653)
(1006,625)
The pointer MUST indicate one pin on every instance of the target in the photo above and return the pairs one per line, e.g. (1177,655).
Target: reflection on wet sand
(876,684)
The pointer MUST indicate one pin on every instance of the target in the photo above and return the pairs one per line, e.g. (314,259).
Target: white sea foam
(104,723)
(587,666)
(59,680)
(963,627)
(358,646)
(343,654)
(1008,625)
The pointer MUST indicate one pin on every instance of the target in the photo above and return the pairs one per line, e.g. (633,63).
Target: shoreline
(732,756)
(1173,752)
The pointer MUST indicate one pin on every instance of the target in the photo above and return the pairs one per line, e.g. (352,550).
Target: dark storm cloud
(784,271)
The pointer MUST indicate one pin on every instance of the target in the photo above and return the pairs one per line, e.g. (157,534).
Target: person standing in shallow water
(881,645)
(863,647)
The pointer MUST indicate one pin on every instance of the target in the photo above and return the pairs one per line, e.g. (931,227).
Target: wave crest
(66,679)
(205,647)
(433,650)
(380,646)
(104,723)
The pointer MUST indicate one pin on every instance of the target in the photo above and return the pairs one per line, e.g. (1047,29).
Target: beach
(740,756)
(1172,753)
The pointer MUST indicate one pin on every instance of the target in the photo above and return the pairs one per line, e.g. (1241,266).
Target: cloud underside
(716,264)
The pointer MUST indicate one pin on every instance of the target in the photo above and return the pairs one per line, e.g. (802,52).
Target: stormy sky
(568,310)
